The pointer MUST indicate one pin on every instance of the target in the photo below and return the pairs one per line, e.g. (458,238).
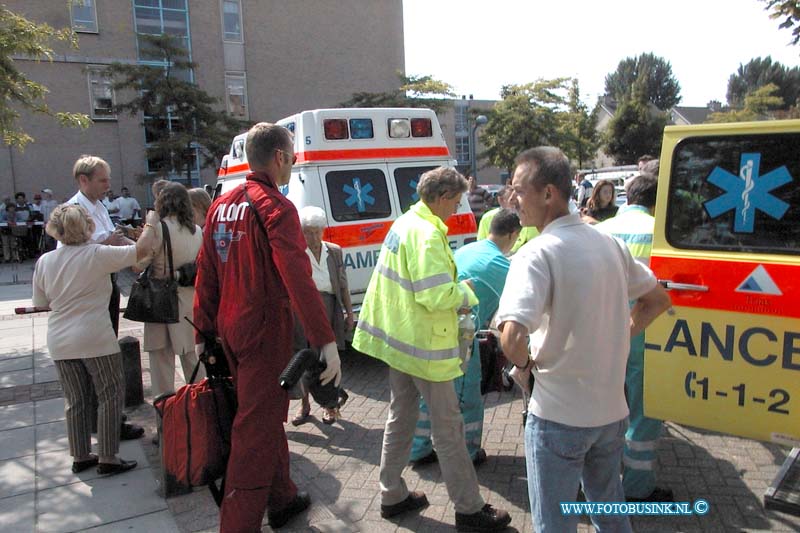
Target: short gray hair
(312,216)
(263,139)
(441,181)
(87,164)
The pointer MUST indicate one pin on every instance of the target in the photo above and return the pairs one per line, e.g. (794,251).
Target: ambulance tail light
(361,128)
(399,128)
(421,127)
(335,129)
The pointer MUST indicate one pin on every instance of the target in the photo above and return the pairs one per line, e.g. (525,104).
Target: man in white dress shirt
(93,176)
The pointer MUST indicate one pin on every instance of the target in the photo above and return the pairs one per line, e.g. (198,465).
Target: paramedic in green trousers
(485,263)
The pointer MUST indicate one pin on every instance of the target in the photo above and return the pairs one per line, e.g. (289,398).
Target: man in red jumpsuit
(245,289)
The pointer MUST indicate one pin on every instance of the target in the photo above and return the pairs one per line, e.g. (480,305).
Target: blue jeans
(559,458)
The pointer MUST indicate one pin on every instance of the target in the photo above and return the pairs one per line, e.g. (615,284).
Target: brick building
(264,59)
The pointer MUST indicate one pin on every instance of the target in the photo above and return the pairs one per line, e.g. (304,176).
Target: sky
(478,46)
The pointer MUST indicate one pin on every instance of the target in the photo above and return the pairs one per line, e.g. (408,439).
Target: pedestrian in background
(478,198)
(330,278)
(573,310)
(602,204)
(164,341)
(408,320)
(201,201)
(73,281)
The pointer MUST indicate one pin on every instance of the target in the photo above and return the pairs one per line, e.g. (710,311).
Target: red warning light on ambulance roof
(335,129)
(421,127)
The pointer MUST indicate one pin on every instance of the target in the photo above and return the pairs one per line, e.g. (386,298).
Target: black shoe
(658,495)
(80,466)
(415,500)
(426,460)
(299,504)
(130,432)
(480,457)
(112,469)
(487,519)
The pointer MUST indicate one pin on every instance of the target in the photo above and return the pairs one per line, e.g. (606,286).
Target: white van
(361,165)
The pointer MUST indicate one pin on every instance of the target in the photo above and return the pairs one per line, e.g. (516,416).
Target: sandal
(330,415)
(301,417)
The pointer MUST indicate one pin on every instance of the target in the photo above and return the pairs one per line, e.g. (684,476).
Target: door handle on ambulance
(671,285)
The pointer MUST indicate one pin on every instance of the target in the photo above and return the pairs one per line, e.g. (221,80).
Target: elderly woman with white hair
(73,281)
(328,273)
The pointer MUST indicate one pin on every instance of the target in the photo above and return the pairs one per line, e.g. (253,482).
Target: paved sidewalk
(337,464)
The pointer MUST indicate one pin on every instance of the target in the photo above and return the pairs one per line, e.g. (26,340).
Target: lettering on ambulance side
(681,339)
(747,192)
(714,342)
(358,260)
(222,237)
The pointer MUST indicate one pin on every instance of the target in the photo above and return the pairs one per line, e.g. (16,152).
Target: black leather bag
(155,300)
(187,274)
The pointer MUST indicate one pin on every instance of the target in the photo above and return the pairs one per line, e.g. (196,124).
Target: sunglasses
(294,156)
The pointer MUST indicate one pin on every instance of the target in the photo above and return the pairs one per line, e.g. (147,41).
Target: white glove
(199,349)
(333,371)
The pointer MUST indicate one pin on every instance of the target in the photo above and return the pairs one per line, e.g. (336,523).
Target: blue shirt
(487,267)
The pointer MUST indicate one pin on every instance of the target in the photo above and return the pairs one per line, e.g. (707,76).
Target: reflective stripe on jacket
(408,316)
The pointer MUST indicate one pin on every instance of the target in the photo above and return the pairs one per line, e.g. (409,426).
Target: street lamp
(480,120)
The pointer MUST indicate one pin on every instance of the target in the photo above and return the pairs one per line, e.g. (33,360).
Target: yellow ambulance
(726,245)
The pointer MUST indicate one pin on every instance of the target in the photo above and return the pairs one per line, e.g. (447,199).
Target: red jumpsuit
(244,292)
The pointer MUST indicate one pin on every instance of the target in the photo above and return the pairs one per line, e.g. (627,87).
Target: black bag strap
(168,247)
(255,213)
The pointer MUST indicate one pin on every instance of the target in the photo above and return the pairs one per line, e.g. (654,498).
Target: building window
(84,16)
(232,20)
(462,150)
(155,17)
(462,118)
(101,95)
(236,95)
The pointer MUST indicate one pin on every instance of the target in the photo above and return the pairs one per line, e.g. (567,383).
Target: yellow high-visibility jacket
(408,316)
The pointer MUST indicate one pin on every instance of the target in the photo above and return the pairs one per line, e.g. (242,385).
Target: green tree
(21,37)
(578,128)
(413,91)
(788,12)
(661,88)
(635,129)
(759,72)
(757,106)
(529,115)
(180,118)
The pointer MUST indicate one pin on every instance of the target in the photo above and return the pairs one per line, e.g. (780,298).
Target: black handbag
(155,300)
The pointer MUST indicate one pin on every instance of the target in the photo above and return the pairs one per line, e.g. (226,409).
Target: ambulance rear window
(406,180)
(360,194)
(736,194)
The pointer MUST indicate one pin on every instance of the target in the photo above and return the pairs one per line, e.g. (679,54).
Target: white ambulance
(361,166)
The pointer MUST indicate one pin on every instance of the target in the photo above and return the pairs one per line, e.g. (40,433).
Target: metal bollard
(132,368)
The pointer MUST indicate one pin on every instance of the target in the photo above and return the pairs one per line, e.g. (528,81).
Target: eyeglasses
(294,156)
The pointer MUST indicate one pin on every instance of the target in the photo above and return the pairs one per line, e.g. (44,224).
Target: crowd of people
(21,225)
(570,323)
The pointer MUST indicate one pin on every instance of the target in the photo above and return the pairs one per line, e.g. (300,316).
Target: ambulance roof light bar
(399,128)
(335,129)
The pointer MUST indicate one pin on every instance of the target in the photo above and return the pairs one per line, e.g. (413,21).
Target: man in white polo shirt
(129,209)
(93,176)
(567,292)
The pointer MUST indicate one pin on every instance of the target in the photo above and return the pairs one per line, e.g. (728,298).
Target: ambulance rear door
(360,209)
(405,175)
(726,357)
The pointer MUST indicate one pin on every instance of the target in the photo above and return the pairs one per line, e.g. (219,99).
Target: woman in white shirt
(163,341)
(328,273)
(74,282)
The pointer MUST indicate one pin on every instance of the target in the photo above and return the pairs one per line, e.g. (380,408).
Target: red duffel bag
(195,434)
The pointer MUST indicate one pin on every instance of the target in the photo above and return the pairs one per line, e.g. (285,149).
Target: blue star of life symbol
(413,184)
(223,239)
(747,192)
(358,195)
